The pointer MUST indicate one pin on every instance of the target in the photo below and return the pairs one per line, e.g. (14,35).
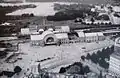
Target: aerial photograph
(59,38)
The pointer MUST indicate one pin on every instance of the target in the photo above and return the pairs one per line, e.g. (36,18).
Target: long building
(63,35)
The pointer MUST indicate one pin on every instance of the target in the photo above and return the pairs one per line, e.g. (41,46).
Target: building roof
(81,34)
(41,30)
(100,34)
(36,37)
(8,38)
(40,36)
(65,28)
(46,33)
(50,29)
(90,34)
(34,33)
(61,35)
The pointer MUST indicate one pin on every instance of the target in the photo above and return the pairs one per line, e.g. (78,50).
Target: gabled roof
(40,36)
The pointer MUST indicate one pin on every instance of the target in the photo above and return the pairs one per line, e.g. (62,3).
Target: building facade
(56,37)
(61,35)
(115,58)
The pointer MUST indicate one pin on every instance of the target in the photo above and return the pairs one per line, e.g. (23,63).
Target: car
(83,48)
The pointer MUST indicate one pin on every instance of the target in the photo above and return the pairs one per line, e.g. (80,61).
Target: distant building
(62,28)
(61,35)
(94,37)
(14,0)
(116,9)
(56,37)
(25,31)
(115,58)
(81,36)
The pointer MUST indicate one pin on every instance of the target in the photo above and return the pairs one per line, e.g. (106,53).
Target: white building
(25,31)
(101,36)
(81,36)
(115,58)
(91,37)
(94,37)
(55,37)
(48,37)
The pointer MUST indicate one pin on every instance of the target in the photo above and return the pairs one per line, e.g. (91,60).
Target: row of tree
(101,57)
(80,70)
(71,14)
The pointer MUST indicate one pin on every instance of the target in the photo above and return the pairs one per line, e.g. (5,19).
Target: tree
(88,56)
(100,76)
(17,69)
(46,75)
(79,64)
(62,70)
(92,19)
(83,58)
(103,63)
(94,58)
(86,69)
(112,49)
(98,53)
(31,15)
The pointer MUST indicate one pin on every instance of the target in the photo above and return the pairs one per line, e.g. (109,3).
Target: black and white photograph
(59,38)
